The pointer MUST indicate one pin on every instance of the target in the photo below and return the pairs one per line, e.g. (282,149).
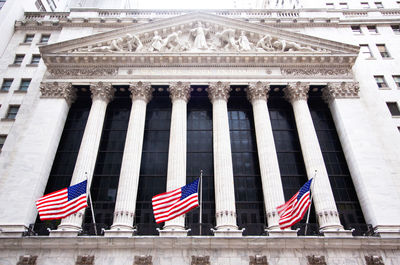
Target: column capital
(179,90)
(218,90)
(141,91)
(336,90)
(296,91)
(102,91)
(258,90)
(58,90)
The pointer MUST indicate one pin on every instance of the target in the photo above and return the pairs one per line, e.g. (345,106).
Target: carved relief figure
(173,42)
(290,46)
(244,43)
(156,42)
(265,44)
(133,43)
(200,33)
(227,39)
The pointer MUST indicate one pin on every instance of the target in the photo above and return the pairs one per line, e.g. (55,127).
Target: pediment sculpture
(198,38)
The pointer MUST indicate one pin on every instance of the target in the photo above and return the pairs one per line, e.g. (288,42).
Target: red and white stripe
(167,206)
(56,205)
(293,211)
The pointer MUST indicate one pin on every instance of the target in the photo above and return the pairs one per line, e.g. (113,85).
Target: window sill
(42,43)
(370,58)
(25,43)
(396,116)
(14,65)
(7,119)
(32,65)
(20,91)
(384,88)
(387,58)
(4,91)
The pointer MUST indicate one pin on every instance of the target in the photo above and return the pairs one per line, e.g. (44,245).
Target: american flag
(293,210)
(171,204)
(61,203)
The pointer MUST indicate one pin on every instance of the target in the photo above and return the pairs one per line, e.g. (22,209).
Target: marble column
(225,208)
(125,204)
(323,200)
(257,94)
(176,175)
(34,141)
(102,94)
(365,158)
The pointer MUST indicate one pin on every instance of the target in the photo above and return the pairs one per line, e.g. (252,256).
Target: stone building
(259,100)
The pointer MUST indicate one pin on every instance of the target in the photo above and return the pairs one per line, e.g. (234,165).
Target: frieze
(179,90)
(141,90)
(258,90)
(89,71)
(317,72)
(219,90)
(337,90)
(296,91)
(58,90)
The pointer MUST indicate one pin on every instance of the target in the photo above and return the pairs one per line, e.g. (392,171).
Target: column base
(65,231)
(119,232)
(224,231)
(281,233)
(388,231)
(336,232)
(173,232)
(12,230)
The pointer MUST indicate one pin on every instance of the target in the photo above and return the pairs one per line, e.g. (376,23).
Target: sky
(188,4)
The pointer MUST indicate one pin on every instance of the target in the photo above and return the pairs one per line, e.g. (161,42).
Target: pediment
(185,39)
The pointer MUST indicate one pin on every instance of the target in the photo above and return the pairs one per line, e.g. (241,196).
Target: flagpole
(91,204)
(309,209)
(201,198)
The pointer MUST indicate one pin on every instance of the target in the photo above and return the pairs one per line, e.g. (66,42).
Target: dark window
(35,59)
(356,29)
(343,5)
(109,158)
(378,4)
(6,84)
(380,81)
(67,152)
(393,108)
(339,176)
(24,84)
(29,38)
(39,5)
(395,28)
(383,51)
(396,79)
(19,58)
(200,157)
(153,168)
(364,5)
(329,5)
(248,188)
(52,5)
(372,29)
(2,2)
(290,157)
(12,112)
(2,141)
(44,38)
(365,51)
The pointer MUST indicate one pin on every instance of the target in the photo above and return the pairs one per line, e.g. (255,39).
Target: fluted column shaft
(269,166)
(323,199)
(125,204)
(101,94)
(223,170)
(176,176)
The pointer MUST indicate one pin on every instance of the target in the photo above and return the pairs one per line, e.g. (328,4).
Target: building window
(383,51)
(378,4)
(52,5)
(29,38)
(364,5)
(393,108)
(329,5)
(2,140)
(39,5)
(2,2)
(365,51)
(380,81)
(6,84)
(372,29)
(35,59)
(356,29)
(343,5)
(12,112)
(396,28)
(396,79)
(44,38)
(19,58)
(24,84)
(398,3)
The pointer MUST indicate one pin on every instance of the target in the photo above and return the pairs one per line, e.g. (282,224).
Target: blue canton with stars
(304,189)
(77,190)
(189,189)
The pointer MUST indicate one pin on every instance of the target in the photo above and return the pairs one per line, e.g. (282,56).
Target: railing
(312,229)
(88,229)
(361,229)
(205,230)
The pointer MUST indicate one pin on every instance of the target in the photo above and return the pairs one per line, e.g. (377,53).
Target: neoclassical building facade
(258,102)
